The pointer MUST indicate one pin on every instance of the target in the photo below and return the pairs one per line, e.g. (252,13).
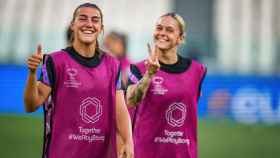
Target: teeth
(162,40)
(88,32)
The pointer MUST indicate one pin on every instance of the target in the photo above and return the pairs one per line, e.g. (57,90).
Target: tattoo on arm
(138,95)
(139,92)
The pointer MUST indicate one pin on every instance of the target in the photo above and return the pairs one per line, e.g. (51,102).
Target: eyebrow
(94,16)
(167,26)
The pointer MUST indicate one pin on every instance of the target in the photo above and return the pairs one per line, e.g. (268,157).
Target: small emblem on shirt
(71,78)
(158,89)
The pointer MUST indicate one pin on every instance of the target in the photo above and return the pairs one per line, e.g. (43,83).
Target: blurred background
(238,41)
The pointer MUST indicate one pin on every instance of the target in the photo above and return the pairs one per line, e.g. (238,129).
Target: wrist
(32,71)
(149,74)
(128,142)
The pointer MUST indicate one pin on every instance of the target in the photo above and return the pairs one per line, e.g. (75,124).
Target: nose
(89,23)
(162,32)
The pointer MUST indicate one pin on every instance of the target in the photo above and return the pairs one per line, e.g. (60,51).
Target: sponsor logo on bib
(90,110)
(178,119)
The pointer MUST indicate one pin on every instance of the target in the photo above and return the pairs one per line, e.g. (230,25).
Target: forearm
(124,127)
(31,93)
(136,93)
(123,120)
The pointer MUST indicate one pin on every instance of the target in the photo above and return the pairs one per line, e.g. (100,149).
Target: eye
(170,29)
(158,28)
(95,19)
(82,18)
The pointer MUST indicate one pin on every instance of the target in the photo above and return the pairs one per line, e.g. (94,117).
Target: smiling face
(167,34)
(87,25)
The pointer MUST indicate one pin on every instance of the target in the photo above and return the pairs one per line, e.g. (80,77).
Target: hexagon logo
(90,110)
(176,114)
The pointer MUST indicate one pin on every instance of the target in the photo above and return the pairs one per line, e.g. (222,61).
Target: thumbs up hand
(35,59)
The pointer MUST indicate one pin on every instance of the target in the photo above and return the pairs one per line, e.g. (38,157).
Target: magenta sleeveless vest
(80,119)
(166,121)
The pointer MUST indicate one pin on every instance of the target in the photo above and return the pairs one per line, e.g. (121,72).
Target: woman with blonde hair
(165,89)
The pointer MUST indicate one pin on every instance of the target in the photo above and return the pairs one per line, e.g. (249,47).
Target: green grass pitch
(21,136)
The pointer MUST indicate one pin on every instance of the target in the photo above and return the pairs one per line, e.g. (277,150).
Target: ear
(102,27)
(181,39)
(72,25)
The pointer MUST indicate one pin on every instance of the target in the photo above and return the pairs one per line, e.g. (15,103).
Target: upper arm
(130,91)
(48,71)
(120,98)
(47,79)
(33,100)
(134,76)
(120,103)
(44,92)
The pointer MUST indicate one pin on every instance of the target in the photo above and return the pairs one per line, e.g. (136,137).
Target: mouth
(88,32)
(162,39)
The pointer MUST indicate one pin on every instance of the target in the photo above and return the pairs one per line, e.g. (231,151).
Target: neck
(85,50)
(168,56)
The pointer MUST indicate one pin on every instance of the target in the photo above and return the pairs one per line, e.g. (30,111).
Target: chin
(87,41)
(163,47)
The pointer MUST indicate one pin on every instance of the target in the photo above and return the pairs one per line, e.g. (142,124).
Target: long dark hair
(69,31)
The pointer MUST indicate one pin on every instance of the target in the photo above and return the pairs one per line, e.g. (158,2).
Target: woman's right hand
(152,63)
(35,59)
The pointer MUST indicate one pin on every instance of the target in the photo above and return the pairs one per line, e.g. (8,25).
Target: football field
(21,136)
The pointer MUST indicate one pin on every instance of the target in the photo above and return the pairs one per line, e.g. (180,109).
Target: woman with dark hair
(80,89)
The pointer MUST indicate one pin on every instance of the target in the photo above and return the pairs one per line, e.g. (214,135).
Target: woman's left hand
(126,151)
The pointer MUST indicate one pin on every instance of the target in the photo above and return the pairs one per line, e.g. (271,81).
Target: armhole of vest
(136,72)
(119,78)
(201,81)
(51,72)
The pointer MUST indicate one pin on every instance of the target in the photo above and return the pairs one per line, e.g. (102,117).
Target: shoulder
(198,64)
(200,68)
(108,57)
(139,66)
(136,70)
(110,61)
(53,59)
(58,53)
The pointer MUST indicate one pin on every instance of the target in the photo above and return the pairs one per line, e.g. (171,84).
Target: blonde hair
(180,20)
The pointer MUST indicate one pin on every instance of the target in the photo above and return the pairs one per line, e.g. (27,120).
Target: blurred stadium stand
(24,24)
(239,41)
